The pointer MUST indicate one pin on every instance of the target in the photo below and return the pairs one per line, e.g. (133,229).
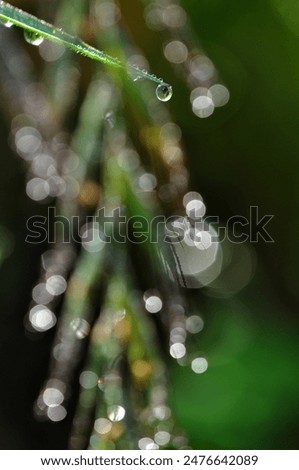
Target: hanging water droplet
(116,413)
(110,118)
(7,24)
(164,92)
(81,327)
(33,38)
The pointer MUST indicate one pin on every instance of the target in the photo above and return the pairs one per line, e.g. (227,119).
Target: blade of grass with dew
(30,23)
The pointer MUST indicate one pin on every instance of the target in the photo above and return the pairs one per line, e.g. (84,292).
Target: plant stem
(11,14)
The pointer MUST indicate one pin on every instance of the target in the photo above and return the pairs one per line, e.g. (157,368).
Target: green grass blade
(28,22)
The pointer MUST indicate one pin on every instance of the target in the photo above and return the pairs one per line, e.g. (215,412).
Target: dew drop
(116,413)
(52,397)
(162,438)
(33,38)
(164,92)
(146,443)
(199,365)
(102,425)
(81,327)
(178,350)
(57,413)
(7,24)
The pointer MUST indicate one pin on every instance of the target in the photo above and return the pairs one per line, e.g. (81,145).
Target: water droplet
(164,92)
(178,335)
(41,318)
(147,182)
(81,327)
(40,294)
(102,425)
(110,118)
(198,253)
(162,412)
(153,303)
(33,38)
(7,24)
(56,285)
(56,413)
(88,379)
(219,94)
(146,443)
(199,365)
(195,209)
(52,397)
(177,350)
(194,324)
(162,438)
(116,413)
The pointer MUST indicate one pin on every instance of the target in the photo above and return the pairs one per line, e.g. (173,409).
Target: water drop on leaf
(164,92)
(7,24)
(33,38)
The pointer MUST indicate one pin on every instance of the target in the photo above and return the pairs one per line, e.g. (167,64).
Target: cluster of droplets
(166,142)
(180,49)
(50,164)
(110,422)
(154,422)
(180,327)
(162,139)
(106,15)
(51,286)
(52,172)
(50,403)
(112,333)
(195,244)
(197,260)
(73,329)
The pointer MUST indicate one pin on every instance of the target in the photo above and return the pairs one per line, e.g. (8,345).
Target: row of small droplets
(47,161)
(181,49)
(180,326)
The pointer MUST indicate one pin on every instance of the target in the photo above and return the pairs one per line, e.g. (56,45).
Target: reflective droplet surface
(153,304)
(81,327)
(199,365)
(162,438)
(56,285)
(116,413)
(102,425)
(146,443)
(7,24)
(52,397)
(194,324)
(56,413)
(88,379)
(177,350)
(164,92)
(33,38)
(41,318)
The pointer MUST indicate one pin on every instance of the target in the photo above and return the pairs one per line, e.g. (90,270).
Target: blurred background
(242,154)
